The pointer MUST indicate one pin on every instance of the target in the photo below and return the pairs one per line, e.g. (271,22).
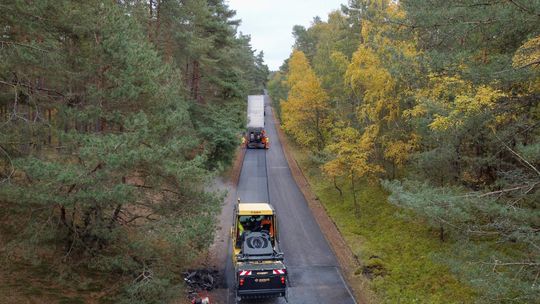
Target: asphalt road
(314,275)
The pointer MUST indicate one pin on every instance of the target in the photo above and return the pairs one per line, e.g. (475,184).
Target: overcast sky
(270,23)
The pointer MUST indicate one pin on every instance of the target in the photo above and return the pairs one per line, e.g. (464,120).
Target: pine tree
(443,98)
(115,116)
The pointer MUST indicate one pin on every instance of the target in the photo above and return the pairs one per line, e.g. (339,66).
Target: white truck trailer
(256,135)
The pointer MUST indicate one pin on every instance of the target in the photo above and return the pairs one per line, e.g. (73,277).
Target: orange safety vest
(268,222)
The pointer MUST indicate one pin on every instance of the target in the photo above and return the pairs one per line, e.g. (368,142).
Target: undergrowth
(400,254)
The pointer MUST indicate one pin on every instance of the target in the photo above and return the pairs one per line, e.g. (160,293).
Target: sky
(270,23)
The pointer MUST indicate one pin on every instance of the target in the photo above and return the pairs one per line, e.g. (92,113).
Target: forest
(114,118)
(425,116)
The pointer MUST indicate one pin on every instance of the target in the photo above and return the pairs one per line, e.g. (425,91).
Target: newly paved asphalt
(314,275)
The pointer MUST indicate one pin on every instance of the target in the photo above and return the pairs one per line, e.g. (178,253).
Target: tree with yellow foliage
(443,98)
(353,156)
(381,93)
(528,54)
(306,112)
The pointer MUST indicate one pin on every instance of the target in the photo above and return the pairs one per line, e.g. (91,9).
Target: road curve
(314,275)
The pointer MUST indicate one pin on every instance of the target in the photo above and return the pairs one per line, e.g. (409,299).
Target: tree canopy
(439,101)
(115,116)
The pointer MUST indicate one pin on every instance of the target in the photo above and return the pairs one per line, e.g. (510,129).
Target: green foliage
(443,98)
(455,34)
(115,117)
(278,90)
(530,152)
(148,290)
(398,251)
(220,128)
(487,235)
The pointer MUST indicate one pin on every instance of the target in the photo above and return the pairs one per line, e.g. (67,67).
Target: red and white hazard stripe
(279,271)
(244,273)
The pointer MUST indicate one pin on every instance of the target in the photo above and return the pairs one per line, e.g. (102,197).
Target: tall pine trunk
(195,81)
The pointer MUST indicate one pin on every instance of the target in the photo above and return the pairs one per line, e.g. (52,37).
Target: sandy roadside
(217,253)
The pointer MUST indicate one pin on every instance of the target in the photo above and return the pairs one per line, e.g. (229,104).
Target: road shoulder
(218,253)
(348,262)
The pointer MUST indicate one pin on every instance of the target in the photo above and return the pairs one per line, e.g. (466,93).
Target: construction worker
(240,228)
(266,224)
(265,141)
(240,237)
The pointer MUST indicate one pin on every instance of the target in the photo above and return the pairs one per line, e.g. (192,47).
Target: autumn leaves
(306,113)
(440,103)
(348,115)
